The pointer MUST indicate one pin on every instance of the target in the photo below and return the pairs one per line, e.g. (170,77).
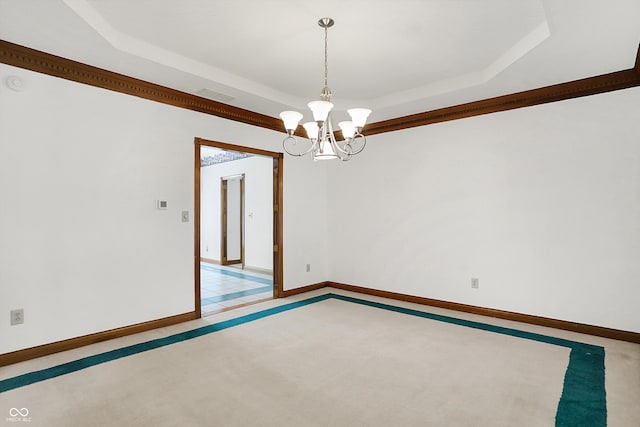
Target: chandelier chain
(326,61)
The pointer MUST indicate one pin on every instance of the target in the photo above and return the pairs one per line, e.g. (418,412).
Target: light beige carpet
(331,363)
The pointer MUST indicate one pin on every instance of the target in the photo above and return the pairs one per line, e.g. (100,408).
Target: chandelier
(322,143)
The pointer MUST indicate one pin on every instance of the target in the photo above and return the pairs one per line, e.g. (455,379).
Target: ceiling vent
(216,96)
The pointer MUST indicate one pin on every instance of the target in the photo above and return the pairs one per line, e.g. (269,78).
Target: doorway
(232,220)
(237,222)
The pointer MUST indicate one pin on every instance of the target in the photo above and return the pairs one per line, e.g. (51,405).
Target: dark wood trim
(240,148)
(41,62)
(196,230)
(72,343)
(277,209)
(308,288)
(582,328)
(34,60)
(278,239)
(574,89)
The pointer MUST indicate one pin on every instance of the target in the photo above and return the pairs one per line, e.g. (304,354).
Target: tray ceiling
(396,57)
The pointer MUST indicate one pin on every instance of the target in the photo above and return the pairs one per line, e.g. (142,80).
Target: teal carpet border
(87,362)
(237,274)
(583,400)
(238,294)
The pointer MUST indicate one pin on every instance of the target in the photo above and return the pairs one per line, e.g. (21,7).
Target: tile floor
(228,286)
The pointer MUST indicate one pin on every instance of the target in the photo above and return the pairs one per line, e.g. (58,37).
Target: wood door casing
(278,179)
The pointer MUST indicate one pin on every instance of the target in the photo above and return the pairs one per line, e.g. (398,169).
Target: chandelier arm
(343,155)
(342,150)
(340,153)
(364,142)
(295,140)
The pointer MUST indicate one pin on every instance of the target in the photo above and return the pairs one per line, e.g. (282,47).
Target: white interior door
(232,215)
(234,220)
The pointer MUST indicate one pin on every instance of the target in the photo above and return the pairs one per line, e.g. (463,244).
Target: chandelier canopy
(322,143)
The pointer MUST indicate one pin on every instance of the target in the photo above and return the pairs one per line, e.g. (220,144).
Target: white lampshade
(326,152)
(312,130)
(320,110)
(359,116)
(290,119)
(348,130)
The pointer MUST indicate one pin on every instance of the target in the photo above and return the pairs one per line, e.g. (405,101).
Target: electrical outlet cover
(17,317)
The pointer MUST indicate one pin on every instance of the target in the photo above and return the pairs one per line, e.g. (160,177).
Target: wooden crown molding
(34,60)
(584,87)
(41,62)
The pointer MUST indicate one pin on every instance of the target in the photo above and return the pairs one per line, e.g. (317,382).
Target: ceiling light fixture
(324,145)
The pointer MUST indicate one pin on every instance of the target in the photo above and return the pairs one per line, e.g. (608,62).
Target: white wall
(258,183)
(82,247)
(541,204)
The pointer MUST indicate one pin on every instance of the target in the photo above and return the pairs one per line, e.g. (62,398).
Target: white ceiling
(396,57)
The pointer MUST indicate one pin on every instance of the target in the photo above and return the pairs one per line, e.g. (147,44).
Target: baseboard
(307,288)
(258,269)
(69,344)
(246,267)
(582,328)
